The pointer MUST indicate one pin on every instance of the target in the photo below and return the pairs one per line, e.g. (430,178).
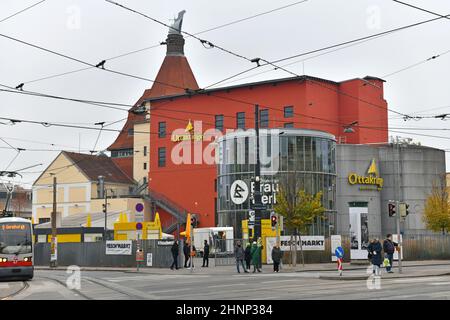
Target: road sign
(339,252)
(239,192)
(138,226)
(258,207)
(251,219)
(139,207)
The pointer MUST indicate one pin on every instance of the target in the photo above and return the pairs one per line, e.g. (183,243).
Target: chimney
(175,40)
(175,45)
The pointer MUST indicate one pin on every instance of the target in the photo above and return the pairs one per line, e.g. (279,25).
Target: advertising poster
(336,241)
(359,233)
(309,243)
(119,247)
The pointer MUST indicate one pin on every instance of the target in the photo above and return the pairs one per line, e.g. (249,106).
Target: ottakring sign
(371,181)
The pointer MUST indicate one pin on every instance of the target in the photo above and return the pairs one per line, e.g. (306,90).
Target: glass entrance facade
(304,159)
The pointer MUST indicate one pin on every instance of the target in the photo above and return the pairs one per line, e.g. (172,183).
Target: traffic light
(104,208)
(391,209)
(273,220)
(194,221)
(404,209)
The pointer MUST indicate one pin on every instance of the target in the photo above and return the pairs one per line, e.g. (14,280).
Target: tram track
(12,295)
(110,287)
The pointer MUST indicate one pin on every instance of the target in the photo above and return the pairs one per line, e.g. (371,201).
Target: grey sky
(93,30)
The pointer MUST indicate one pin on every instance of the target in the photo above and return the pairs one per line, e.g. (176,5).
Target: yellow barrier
(266,231)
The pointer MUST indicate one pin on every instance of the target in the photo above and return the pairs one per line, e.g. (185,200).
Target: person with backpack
(389,249)
(376,259)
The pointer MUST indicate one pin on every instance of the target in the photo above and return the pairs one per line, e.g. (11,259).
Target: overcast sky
(93,30)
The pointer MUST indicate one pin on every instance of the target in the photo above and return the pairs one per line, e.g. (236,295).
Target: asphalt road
(52,284)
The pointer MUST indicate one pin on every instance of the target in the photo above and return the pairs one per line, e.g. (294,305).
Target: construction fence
(93,254)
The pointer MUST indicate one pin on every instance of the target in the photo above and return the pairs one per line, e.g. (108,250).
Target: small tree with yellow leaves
(437,209)
(299,210)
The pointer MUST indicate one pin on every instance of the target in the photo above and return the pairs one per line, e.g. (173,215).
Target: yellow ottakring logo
(371,179)
(188,135)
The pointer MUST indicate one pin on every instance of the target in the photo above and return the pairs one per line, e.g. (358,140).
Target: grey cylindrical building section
(303,157)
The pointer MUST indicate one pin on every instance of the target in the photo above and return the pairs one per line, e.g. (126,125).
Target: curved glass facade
(301,158)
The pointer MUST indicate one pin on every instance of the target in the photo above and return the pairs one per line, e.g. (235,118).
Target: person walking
(193,254)
(174,251)
(375,249)
(389,249)
(248,256)
(261,248)
(276,257)
(186,251)
(256,255)
(239,254)
(206,254)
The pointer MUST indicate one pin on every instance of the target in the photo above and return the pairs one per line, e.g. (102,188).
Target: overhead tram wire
(23,10)
(354,41)
(161,43)
(211,124)
(225,81)
(133,76)
(422,9)
(141,78)
(101,104)
(203,41)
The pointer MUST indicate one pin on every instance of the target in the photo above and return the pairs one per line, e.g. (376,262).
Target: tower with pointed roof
(175,76)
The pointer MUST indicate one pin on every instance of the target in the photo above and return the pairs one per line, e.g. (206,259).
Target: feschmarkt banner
(307,243)
(119,247)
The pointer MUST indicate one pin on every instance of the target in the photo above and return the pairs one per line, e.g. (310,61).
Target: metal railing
(167,204)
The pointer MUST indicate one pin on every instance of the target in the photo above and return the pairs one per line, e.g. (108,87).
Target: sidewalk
(326,271)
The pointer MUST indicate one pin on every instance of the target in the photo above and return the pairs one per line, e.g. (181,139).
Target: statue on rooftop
(175,28)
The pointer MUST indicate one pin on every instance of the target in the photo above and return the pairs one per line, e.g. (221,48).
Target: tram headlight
(26,259)
(3,259)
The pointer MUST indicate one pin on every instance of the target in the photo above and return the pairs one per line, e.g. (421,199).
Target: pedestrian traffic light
(391,209)
(194,221)
(273,220)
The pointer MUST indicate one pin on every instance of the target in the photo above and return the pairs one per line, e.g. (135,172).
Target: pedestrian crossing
(154,277)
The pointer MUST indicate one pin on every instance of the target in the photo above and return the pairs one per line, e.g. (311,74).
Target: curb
(365,267)
(354,278)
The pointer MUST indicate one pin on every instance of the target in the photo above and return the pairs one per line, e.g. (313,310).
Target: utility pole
(257,193)
(397,203)
(106,212)
(54,241)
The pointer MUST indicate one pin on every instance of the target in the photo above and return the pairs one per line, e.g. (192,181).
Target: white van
(220,239)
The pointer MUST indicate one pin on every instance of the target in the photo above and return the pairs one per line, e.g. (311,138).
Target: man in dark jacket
(239,255)
(187,254)
(174,251)
(375,249)
(248,256)
(276,257)
(206,254)
(389,249)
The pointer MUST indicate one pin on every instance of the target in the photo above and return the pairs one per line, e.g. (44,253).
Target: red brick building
(298,102)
